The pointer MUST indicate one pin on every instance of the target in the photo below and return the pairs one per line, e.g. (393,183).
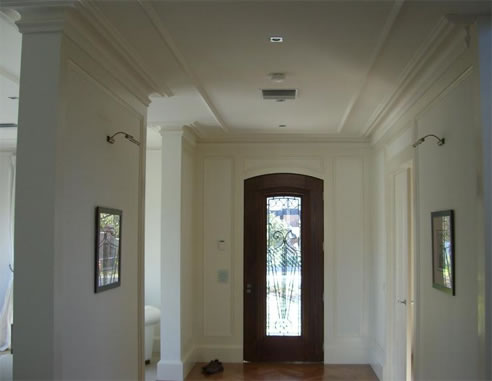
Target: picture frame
(107,270)
(443,251)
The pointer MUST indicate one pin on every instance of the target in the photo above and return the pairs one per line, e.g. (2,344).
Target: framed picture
(443,255)
(108,249)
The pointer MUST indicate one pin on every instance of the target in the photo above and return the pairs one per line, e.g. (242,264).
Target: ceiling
(212,58)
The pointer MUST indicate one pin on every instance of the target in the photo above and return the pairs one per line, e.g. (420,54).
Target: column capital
(40,16)
(169,129)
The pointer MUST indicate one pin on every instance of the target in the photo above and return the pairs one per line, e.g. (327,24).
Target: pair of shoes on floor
(214,366)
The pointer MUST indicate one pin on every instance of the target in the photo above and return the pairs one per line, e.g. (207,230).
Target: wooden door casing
(257,345)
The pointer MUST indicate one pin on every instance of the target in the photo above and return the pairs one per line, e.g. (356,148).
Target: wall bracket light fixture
(440,141)
(110,139)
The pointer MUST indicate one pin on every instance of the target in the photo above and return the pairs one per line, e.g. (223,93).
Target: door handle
(402,301)
(249,288)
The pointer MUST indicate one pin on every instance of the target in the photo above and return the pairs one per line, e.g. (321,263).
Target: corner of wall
(377,356)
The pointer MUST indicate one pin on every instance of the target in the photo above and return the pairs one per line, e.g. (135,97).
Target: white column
(70,100)
(36,199)
(170,367)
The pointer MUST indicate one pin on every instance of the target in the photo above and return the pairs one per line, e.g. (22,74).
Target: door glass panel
(283,283)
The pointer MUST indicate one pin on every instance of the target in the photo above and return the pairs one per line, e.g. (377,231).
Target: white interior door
(402,301)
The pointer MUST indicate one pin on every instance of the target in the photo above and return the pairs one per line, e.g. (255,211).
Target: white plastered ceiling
(346,58)
(209,60)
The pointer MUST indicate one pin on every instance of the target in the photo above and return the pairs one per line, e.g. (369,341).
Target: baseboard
(170,371)
(176,370)
(377,359)
(189,361)
(225,353)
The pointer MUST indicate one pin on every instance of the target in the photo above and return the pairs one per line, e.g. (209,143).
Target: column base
(170,371)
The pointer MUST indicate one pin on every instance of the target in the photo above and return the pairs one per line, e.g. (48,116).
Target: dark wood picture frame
(443,251)
(107,264)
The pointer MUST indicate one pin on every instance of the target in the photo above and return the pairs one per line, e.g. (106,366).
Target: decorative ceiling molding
(9,75)
(105,28)
(83,23)
(9,15)
(168,41)
(388,26)
(39,16)
(443,46)
(283,138)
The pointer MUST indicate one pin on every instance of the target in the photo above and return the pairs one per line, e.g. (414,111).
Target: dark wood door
(283,268)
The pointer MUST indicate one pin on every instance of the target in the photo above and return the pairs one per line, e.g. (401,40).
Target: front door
(283,268)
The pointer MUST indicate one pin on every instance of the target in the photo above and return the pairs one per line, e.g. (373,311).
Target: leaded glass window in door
(284,261)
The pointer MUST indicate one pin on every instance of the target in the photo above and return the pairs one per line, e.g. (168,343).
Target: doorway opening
(283,268)
(403,306)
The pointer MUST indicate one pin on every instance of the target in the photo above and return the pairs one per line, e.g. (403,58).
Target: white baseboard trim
(170,371)
(189,361)
(378,356)
(225,353)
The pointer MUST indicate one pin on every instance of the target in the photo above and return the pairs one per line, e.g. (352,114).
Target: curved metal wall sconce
(440,141)
(110,139)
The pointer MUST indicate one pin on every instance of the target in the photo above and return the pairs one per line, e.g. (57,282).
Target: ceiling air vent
(279,95)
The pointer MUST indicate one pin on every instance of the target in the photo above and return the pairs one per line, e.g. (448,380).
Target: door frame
(313,331)
(402,163)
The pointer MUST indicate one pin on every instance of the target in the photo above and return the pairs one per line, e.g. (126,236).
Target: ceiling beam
(388,26)
(168,41)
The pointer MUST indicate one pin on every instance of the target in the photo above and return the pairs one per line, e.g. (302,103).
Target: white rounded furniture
(152,320)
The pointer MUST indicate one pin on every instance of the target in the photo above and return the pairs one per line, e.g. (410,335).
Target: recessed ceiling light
(277,77)
(276,39)
(282,125)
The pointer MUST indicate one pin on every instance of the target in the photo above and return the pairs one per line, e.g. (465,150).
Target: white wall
(449,178)
(69,104)
(449,333)
(6,233)
(218,313)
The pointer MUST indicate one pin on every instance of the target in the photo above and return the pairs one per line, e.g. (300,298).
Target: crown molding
(388,26)
(169,43)
(9,75)
(283,138)
(82,22)
(43,16)
(189,133)
(105,28)
(445,44)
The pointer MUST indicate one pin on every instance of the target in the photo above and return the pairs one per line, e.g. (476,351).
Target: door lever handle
(402,301)
(249,288)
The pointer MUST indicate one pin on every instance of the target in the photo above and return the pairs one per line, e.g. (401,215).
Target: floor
(278,372)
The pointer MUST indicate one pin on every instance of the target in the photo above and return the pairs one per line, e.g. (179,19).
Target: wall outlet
(223,276)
